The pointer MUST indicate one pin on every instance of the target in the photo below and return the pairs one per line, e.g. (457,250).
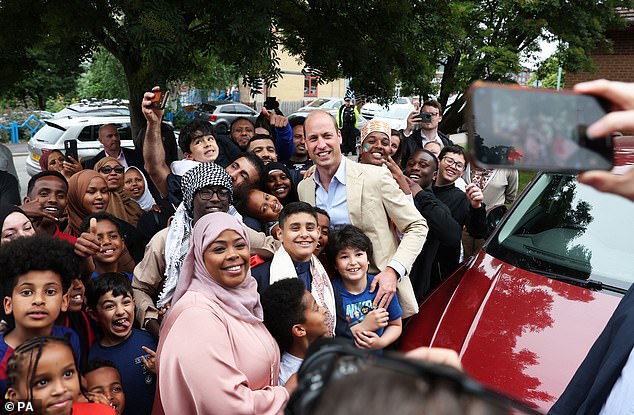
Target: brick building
(617,65)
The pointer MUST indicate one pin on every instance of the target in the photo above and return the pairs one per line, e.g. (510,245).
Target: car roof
(88,120)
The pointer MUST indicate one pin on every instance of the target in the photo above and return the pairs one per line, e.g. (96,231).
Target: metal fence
(31,124)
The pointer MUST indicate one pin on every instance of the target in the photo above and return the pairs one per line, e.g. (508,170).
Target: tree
(155,40)
(104,77)
(485,39)
(547,74)
(373,42)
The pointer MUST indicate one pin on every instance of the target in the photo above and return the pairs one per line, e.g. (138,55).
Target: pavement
(19,149)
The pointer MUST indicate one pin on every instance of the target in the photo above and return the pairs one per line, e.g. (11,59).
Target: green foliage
(486,39)
(58,103)
(375,43)
(104,77)
(547,74)
(209,72)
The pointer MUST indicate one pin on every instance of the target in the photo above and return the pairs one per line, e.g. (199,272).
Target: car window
(89,133)
(243,109)
(227,109)
(49,134)
(399,113)
(125,131)
(564,227)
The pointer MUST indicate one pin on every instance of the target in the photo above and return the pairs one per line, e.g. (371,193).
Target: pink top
(210,362)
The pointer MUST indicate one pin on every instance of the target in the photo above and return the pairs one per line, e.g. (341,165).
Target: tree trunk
(136,91)
(453,120)
(449,74)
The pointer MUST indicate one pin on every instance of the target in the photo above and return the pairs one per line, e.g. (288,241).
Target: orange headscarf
(121,204)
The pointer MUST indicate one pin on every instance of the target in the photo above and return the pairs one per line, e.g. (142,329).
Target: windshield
(563,227)
(318,102)
(398,113)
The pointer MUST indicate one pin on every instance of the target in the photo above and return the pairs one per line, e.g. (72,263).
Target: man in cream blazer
(367,197)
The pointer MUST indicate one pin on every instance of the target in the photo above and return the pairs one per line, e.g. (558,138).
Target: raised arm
(153,151)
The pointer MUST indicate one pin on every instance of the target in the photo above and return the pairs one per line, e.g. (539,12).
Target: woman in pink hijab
(215,355)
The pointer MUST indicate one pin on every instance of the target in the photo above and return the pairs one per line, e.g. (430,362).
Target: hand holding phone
(424,117)
(70,150)
(535,129)
(160,99)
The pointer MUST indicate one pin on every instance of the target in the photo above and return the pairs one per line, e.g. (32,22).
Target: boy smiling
(299,234)
(111,304)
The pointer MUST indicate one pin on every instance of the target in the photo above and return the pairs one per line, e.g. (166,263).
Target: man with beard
(207,188)
(375,150)
(365,196)
(244,170)
(299,160)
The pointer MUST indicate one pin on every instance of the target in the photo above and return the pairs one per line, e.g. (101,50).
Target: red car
(523,313)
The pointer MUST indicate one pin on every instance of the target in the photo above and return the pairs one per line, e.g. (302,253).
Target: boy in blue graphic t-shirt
(374,329)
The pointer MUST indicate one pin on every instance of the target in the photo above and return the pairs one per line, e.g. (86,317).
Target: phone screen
(533,129)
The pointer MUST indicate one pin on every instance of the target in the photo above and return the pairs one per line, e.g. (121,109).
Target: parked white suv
(83,129)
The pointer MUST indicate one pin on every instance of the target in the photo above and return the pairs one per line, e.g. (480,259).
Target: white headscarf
(146,201)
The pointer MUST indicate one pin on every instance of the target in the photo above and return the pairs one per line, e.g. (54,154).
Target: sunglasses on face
(108,170)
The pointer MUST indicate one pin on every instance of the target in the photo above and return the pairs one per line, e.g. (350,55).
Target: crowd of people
(198,285)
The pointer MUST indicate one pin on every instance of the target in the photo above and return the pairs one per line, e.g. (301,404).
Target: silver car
(83,129)
(221,115)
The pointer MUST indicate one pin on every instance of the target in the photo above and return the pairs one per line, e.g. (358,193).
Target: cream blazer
(375,202)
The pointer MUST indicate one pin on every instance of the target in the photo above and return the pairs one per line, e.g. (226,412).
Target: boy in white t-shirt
(295,320)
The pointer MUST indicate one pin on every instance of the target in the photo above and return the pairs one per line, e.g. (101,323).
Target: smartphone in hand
(160,99)
(70,150)
(424,117)
(535,129)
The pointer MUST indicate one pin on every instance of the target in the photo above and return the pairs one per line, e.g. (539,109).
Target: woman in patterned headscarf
(121,206)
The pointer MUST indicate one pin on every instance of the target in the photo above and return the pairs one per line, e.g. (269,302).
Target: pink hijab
(243,301)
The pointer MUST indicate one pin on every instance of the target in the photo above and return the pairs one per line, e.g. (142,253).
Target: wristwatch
(147,320)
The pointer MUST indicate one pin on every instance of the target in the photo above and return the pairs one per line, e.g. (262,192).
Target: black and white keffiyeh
(179,233)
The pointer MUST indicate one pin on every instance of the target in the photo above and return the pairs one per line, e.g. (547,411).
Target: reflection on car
(523,313)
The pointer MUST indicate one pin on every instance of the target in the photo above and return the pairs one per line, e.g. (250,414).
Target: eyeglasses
(449,162)
(223,193)
(108,170)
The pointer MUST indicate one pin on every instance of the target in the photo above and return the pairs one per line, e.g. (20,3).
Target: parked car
(330,105)
(396,115)
(324,103)
(222,113)
(360,122)
(95,108)
(523,313)
(371,109)
(83,129)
